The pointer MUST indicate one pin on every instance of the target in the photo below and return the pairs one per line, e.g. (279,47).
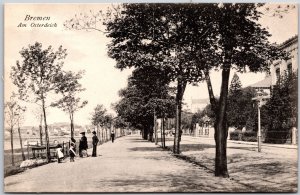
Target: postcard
(150,97)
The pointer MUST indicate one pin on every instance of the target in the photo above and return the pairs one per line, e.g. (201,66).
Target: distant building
(198,104)
(280,67)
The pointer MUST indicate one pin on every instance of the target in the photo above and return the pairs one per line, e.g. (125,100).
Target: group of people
(83,146)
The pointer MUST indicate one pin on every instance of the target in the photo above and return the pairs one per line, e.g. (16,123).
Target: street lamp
(261,100)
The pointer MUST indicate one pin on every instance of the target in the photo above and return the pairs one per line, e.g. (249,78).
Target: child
(59,153)
(72,152)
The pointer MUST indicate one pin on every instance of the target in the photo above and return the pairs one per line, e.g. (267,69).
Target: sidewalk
(288,146)
(132,164)
(275,169)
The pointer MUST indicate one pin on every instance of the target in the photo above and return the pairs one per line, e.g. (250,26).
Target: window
(277,74)
(289,69)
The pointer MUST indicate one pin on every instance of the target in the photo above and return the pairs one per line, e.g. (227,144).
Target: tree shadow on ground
(147,149)
(195,147)
(243,148)
(264,169)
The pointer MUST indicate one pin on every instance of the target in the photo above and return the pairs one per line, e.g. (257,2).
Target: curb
(255,143)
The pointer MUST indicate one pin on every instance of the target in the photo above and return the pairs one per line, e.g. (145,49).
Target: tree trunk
(154,128)
(221,128)
(41,130)
(20,137)
(103,135)
(164,132)
(99,136)
(180,91)
(46,131)
(12,146)
(72,125)
(161,134)
(145,132)
(210,92)
(106,137)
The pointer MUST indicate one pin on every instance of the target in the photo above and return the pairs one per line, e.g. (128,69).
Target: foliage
(68,86)
(236,135)
(240,112)
(235,85)
(36,73)
(108,119)
(120,122)
(13,111)
(249,136)
(186,120)
(98,117)
(282,109)
(189,40)
(147,91)
(13,114)
(35,76)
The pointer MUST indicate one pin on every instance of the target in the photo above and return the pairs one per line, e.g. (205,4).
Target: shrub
(236,135)
(249,136)
(12,170)
(277,136)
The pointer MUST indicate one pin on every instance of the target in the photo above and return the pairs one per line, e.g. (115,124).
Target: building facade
(279,67)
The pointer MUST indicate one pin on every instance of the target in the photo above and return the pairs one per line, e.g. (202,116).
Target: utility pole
(259,130)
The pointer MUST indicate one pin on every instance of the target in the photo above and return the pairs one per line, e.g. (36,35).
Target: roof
(200,101)
(265,83)
(289,42)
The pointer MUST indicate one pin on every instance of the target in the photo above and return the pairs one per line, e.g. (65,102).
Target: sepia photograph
(150,97)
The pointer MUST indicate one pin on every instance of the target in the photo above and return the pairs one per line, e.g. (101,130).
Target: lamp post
(261,100)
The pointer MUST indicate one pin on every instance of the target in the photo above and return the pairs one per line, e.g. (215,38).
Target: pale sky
(87,51)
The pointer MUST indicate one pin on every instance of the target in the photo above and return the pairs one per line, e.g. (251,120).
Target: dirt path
(128,165)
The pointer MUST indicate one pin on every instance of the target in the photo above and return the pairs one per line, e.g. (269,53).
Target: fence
(33,149)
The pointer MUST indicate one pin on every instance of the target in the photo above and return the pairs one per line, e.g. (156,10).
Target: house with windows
(198,104)
(280,67)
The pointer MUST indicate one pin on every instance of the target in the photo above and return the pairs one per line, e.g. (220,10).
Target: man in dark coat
(95,142)
(82,144)
(112,135)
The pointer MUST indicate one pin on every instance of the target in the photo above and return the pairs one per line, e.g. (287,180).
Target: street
(135,165)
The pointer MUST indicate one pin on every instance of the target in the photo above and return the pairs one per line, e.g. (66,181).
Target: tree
(147,93)
(241,112)
(35,76)
(38,113)
(281,112)
(98,117)
(242,43)
(233,111)
(68,86)
(235,85)
(108,123)
(190,40)
(14,113)
(163,35)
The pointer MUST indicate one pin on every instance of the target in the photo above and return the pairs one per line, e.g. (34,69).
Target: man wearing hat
(82,144)
(95,142)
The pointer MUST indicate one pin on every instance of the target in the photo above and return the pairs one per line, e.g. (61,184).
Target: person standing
(95,142)
(83,144)
(59,153)
(72,152)
(112,135)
